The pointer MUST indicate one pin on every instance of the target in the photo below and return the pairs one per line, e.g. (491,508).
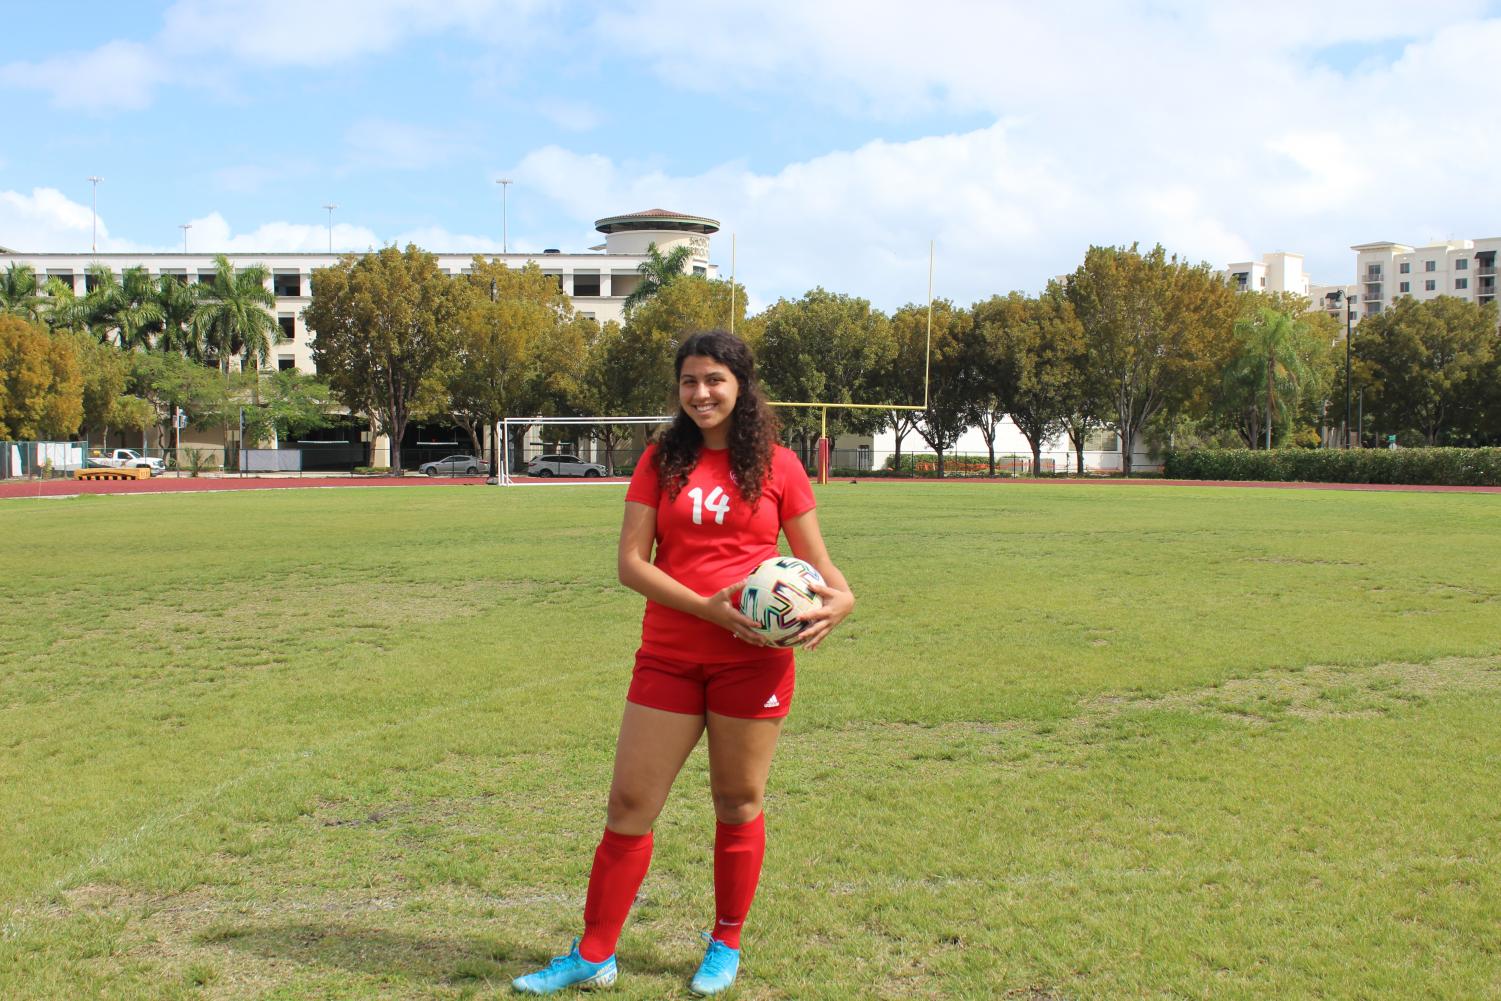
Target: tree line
(1138,344)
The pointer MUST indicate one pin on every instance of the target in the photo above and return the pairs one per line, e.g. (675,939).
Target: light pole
(94,244)
(330,207)
(184,226)
(1349,317)
(505,242)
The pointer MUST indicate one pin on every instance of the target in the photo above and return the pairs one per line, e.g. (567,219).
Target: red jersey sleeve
(646,485)
(796,493)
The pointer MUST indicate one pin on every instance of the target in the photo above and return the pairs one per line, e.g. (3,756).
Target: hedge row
(1429,466)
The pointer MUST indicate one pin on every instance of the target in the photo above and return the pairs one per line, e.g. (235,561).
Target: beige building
(1387,271)
(598,280)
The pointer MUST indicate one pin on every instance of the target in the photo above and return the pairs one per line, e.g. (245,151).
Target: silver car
(454,465)
(563,465)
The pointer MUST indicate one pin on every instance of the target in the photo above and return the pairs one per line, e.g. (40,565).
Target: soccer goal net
(571,449)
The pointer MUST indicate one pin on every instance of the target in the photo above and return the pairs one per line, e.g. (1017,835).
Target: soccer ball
(777,592)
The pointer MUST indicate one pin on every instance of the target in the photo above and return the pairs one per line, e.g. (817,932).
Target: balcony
(1486,271)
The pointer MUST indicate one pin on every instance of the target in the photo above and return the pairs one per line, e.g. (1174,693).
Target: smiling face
(707,391)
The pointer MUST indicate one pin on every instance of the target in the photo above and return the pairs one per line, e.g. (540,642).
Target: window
(285,363)
(287,284)
(586,284)
(180,277)
(288,325)
(1461,283)
(1405,267)
(1430,265)
(1429,285)
(1404,287)
(1462,264)
(66,277)
(90,281)
(205,278)
(1373,272)
(1263,277)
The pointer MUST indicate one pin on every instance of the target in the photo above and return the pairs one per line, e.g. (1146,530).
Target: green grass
(1076,742)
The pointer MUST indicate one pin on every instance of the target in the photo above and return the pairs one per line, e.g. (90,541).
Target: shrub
(372,470)
(1426,466)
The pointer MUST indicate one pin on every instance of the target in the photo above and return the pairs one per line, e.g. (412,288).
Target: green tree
(1281,360)
(177,328)
(382,323)
(103,368)
(292,403)
(658,271)
(627,372)
(517,350)
(953,389)
(1032,357)
(1159,332)
(131,412)
(825,348)
(1428,363)
(170,381)
(125,306)
(20,295)
(232,317)
(41,388)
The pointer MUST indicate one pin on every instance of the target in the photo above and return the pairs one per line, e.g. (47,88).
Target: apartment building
(1386,271)
(598,280)
(1276,272)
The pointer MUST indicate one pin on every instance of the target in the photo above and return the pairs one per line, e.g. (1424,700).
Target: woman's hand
(723,609)
(837,604)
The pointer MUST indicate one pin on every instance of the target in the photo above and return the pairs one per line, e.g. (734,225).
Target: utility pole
(94,244)
(1349,316)
(330,207)
(184,226)
(505,241)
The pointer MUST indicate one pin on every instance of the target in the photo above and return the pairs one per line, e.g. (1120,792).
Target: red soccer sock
(738,852)
(620,864)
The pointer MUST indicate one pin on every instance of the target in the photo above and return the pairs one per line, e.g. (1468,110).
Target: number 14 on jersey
(717,503)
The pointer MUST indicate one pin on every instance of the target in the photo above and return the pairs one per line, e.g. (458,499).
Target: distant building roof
(656,220)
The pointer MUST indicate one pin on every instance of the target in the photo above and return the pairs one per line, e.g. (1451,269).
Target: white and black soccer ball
(776,593)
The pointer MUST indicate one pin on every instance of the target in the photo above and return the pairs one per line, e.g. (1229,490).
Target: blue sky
(834,139)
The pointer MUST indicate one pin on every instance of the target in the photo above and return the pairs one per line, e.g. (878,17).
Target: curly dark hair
(753,425)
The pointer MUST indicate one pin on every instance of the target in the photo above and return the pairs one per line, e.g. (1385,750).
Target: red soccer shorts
(757,689)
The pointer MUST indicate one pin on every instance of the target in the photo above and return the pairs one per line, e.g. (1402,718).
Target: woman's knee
(631,808)
(737,806)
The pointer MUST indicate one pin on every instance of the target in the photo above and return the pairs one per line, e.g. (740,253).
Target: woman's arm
(838,600)
(633,564)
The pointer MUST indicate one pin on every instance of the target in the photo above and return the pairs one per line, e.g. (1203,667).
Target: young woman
(711,495)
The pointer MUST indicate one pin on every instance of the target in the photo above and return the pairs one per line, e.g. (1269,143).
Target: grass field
(1076,742)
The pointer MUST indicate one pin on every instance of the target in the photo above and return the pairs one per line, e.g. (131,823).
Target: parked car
(563,465)
(454,465)
(126,458)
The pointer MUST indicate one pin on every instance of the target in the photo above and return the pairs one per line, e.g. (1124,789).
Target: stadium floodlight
(503,428)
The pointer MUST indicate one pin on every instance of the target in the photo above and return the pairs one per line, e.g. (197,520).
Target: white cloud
(213,233)
(49,221)
(117,75)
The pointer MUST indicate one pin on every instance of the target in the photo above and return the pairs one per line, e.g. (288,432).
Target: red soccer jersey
(709,537)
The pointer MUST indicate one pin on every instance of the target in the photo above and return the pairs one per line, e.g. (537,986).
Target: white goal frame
(503,426)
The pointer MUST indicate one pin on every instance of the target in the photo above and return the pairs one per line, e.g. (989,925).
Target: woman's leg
(649,753)
(740,753)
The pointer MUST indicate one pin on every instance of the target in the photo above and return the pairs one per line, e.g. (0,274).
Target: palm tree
(233,317)
(64,309)
(1269,357)
(657,272)
(126,305)
(19,295)
(179,303)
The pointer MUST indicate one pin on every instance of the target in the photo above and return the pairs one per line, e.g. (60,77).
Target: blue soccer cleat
(717,972)
(571,970)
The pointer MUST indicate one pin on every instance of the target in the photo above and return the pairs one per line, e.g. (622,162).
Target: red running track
(70,488)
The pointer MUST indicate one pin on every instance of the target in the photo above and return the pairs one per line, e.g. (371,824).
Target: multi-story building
(598,280)
(1387,271)
(1277,272)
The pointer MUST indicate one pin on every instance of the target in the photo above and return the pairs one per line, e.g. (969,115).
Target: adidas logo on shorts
(771,703)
